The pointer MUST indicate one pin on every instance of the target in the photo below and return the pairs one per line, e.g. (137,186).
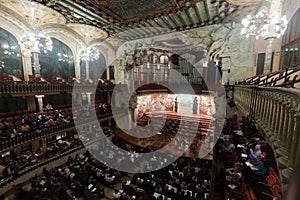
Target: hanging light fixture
(89,54)
(62,57)
(262,25)
(37,44)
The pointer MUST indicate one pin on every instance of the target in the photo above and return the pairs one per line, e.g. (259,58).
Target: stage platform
(158,141)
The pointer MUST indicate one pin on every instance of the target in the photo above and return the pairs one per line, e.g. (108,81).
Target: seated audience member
(227,145)
(264,167)
(234,175)
(49,107)
(256,153)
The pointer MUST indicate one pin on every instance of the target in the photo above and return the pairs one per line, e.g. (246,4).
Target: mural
(182,103)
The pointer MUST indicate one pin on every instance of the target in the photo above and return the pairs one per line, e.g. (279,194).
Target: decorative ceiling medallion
(243,2)
(34,13)
(89,33)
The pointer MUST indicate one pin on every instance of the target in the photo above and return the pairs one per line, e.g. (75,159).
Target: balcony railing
(36,88)
(277,112)
(8,144)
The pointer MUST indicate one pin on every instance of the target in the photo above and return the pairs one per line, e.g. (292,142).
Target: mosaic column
(40,102)
(27,65)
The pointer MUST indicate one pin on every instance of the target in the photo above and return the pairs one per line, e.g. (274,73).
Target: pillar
(27,65)
(88,96)
(40,102)
(268,57)
(107,73)
(77,69)
(36,64)
(87,70)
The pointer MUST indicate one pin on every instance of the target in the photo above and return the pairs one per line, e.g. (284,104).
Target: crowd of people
(14,162)
(245,155)
(19,124)
(186,178)
(81,177)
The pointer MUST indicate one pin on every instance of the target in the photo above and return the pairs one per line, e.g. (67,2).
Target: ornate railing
(11,143)
(277,112)
(289,77)
(36,88)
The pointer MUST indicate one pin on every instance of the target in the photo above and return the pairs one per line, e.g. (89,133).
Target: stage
(201,123)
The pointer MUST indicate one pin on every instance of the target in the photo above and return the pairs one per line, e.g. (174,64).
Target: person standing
(195,106)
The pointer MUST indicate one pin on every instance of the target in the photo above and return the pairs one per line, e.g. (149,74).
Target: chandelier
(36,44)
(10,50)
(263,26)
(89,54)
(62,57)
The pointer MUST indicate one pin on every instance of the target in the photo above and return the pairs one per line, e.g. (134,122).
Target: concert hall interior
(149,100)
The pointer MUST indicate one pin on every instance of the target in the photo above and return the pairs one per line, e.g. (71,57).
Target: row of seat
(289,77)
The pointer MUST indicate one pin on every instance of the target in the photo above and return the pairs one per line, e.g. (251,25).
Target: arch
(97,68)
(106,49)
(163,59)
(152,58)
(10,54)
(61,57)
(10,21)
(175,59)
(66,35)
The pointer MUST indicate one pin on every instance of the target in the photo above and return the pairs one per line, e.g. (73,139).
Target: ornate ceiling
(34,14)
(141,18)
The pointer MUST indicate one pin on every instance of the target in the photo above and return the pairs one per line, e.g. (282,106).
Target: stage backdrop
(186,104)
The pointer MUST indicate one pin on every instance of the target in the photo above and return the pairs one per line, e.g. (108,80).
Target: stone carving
(225,42)
(134,58)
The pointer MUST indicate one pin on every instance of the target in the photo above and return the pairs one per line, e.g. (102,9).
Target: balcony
(276,112)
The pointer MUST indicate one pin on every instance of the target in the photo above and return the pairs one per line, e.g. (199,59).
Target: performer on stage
(195,105)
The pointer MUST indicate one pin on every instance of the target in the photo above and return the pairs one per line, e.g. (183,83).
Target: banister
(276,111)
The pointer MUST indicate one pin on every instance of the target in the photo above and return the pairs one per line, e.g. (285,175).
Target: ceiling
(144,18)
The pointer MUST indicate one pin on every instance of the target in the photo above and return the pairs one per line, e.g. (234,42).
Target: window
(58,62)
(291,43)
(10,54)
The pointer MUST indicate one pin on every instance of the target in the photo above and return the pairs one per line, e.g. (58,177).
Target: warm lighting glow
(263,26)
(89,54)
(36,44)
(62,57)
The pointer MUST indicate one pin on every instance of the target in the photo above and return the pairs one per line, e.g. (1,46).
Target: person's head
(257,147)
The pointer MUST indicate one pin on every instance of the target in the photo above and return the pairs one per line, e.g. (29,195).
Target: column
(286,123)
(271,113)
(40,102)
(268,57)
(108,73)
(290,135)
(36,64)
(279,114)
(27,65)
(77,69)
(87,70)
(88,96)
(276,113)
